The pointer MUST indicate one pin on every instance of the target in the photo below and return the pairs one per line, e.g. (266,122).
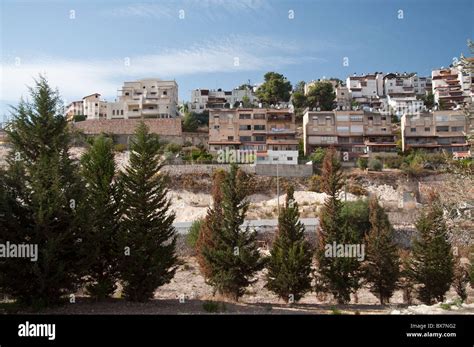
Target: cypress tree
(147,233)
(234,257)
(432,262)
(42,195)
(289,266)
(211,225)
(338,275)
(102,200)
(382,266)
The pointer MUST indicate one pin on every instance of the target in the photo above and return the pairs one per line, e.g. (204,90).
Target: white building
(146,98)
(409,84)
(75,108)
(278,157)
(366,89)
(202,99)
(401,104)
(452,87)
(94,107)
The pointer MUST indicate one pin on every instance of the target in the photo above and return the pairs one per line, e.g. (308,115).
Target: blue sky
(88,53)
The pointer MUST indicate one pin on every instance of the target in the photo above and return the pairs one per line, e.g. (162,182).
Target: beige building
(93,107)
(436,131)
(75,108)
(259,129)
(453,88)
(359,133)
(147,98)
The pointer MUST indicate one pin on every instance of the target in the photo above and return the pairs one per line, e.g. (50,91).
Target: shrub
(375,165)
(393,162)
(362,163)
(120,147)
(193,233)
(173,148)
(315,184)
(317,156)
(357,189)
(79,118)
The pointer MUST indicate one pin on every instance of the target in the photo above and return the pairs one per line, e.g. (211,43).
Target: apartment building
(334,82)
(408,84)
(202,99)
(75,108)
(452,87)
(93,107)
(359,133)
(400,104)
(146,98)
(269,132)
(343,98)
(435,131)
(366,89)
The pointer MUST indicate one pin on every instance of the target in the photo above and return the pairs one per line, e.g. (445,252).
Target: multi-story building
(202,99)
(266,131)
(75,108)
(435,131)
(147,98)
(400,104)
(408,84)
(334,82)
(452,87)
(93,107)
(366,89)
(343,98)
(359,133)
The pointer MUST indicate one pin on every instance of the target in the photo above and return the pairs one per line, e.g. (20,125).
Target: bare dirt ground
(188,293)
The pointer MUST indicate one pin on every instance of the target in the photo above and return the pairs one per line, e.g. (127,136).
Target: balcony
(279,118)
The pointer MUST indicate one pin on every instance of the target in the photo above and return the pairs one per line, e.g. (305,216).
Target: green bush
(393,162)
(193,233)
(362,163)
(120,147)
(79,118)
(315,184)
(173,148)
(317,156)
(375,165)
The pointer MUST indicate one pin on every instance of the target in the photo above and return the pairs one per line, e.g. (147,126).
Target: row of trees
(92,225)
(229,258)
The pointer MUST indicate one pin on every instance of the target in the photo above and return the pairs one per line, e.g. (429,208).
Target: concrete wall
(203,168)
(284,170)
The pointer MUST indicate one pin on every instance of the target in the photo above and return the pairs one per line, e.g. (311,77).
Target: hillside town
(370,115)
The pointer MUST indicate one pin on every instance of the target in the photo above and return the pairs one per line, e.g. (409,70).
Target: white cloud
(75,78)
(208,9)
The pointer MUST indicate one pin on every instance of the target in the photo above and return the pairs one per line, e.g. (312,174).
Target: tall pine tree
(432,263)
(102,200)
(338,275)
(382,266)
(212,224)
(234,257)
(289,266)
(42,194)
(147,233)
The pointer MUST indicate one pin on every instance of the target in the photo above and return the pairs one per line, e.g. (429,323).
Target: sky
(90,46)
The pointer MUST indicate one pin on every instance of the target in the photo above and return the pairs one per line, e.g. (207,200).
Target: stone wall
(203,169)
(284,170)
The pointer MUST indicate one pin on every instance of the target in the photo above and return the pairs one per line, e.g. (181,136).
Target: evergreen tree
(42,194)
(460,277)
(289,266)
(234,257)
(102,200)
(382,267)
(432,262)
(338,275)
(147,234)
(212,224)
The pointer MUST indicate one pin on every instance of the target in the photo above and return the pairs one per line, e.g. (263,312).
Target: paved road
(260,225)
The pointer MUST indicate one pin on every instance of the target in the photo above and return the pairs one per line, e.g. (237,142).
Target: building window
(165,92)
(259,127)
(113,112)
(427,129)
(442,128)
(383,129)
(259,116)
(460,128)
(245,138)
(230,138)
(289,158)
(245,116)
(370,118)
(245,127)
(259,138)
(413,130)
(384,118)
(216,127)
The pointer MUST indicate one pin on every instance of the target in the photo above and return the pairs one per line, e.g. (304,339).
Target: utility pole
(278,188)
